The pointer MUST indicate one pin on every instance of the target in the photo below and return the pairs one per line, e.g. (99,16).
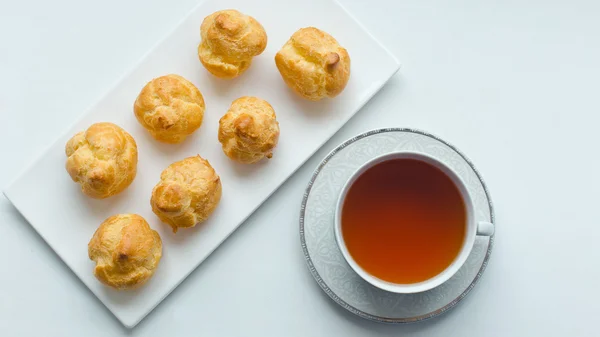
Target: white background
(514,84)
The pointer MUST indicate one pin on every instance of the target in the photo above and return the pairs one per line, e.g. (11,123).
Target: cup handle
(485,228)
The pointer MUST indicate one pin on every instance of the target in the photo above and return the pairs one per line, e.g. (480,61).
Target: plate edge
(371,36)
(64,262)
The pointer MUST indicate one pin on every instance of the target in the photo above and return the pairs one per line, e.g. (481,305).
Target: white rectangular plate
(66,219)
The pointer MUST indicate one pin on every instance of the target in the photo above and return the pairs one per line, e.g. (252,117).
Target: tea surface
(404,221)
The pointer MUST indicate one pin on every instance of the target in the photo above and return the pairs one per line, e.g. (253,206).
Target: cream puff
(249,131)
(126,251)
(230,40)
(313,64)
(102,159)
(170,108)
(187,194)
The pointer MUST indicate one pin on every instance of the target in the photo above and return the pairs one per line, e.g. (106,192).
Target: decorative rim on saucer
(330,292)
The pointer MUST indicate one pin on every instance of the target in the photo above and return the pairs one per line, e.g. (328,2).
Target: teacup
(473,227)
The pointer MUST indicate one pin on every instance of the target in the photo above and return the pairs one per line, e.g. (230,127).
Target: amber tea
(403,221)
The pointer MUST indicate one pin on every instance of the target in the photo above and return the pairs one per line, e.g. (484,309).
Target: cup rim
(443,276)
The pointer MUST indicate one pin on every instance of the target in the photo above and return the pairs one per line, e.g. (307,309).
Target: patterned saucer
(325,260)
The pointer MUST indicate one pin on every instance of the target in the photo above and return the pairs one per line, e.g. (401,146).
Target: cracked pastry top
(187,194)
(102,159)
(313,64)
(170,108)
(249,131)
(230,40)
(126,251)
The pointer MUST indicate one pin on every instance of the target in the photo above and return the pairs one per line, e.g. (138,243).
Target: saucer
(325,260)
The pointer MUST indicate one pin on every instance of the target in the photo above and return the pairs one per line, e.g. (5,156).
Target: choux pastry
(170,108)
(313,64)
(230,40)
(126,251)
(249,131)
(102,159)
(187,194)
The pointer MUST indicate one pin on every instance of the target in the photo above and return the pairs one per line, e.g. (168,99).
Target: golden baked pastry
(230,40)
(126,251)
(314,64)
(170,108)
(102,159)
(188,192)
(249,130)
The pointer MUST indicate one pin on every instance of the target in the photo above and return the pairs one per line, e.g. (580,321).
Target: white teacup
(473,228)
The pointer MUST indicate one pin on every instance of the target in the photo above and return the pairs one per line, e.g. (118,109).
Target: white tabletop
(513,84)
